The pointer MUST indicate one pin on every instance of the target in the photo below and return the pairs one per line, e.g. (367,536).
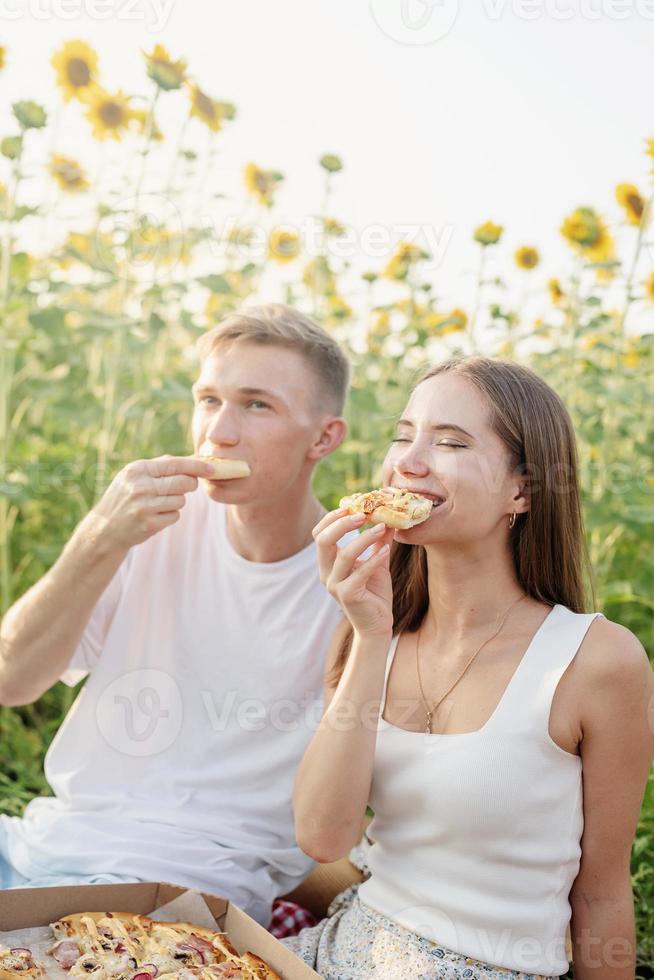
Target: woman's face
(444,447)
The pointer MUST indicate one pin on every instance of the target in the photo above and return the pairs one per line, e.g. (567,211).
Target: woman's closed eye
(447,443)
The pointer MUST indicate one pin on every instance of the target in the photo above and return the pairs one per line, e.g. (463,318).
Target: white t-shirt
(177,760)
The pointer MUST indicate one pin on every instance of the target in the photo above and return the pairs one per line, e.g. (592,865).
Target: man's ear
(330,435)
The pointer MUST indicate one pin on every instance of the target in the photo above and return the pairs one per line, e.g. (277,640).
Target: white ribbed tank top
(477,835)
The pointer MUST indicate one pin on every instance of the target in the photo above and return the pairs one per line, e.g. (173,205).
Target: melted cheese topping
(117,929)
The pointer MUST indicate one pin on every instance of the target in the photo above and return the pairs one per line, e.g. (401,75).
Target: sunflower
(68,174)
(79,242)
(3,57)
(227,110)
(164,72)
(582,228)
(649,287)
(338,308)
(331,163)
(261,183)
(591,340)
(405,256)
(318,277)
(76,65)
(109,115)
(458,320)
(556,293)
(380,326)
(94,249)
(446,323)
(283,245)
(30,115)
(206,109)
(11,147)
(527,257)
(628,197)
(137,120)
(333,227)
(240,235)
(588,235)
(219,305)
(153,243)
(488,234)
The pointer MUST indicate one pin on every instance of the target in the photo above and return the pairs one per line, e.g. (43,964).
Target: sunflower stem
(106,438)
(200,198)
(477,307)
(7,363)
(648,211)
(177,154)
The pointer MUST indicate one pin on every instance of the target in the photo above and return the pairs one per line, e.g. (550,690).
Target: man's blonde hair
(278,325)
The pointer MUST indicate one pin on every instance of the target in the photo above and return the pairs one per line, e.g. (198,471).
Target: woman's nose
(411,462)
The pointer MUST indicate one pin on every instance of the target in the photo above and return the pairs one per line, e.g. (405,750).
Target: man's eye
(451,445)
(400,439)
(204,398)
(259,403)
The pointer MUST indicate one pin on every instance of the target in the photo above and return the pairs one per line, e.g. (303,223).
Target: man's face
(256,403)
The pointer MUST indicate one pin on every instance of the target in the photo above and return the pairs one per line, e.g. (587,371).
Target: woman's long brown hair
(548,544)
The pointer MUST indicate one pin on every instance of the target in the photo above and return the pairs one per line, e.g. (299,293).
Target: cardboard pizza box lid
(24,907)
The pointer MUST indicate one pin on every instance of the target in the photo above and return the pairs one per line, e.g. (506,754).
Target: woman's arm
(334,777)
(333,781)
(617,718)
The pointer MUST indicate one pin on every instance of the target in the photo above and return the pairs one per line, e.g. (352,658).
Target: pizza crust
(35,973)
(227,469)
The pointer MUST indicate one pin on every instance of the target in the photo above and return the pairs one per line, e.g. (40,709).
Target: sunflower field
(98,328)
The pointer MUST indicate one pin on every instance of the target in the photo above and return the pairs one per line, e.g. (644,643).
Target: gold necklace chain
(431,711)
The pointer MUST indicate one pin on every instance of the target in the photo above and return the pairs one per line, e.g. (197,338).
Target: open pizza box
(25,908)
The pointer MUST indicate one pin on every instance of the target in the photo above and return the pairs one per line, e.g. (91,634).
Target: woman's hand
(361,586)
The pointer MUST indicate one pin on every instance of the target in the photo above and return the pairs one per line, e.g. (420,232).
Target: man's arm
(617,749)
(41,631)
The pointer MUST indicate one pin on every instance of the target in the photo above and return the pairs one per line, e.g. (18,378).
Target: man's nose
(222,429)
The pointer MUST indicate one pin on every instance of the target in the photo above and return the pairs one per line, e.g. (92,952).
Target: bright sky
(522,111)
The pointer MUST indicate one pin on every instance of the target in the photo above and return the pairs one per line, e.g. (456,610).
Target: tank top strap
(528,697)
(390,656)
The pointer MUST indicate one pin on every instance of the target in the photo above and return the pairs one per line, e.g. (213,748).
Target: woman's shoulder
(612,653)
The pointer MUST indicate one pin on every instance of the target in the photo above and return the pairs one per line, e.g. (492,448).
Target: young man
(201,620)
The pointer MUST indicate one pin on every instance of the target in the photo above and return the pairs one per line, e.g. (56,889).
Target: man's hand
(146,496)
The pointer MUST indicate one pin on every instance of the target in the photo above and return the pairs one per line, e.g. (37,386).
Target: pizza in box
(128,946)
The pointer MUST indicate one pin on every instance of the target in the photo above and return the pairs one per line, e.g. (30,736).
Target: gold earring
(512,520)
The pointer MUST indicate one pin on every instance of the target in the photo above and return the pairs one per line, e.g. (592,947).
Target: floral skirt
(355,942)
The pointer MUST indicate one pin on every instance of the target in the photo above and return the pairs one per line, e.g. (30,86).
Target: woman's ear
(521,500)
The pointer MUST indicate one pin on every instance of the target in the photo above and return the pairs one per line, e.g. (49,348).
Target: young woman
(486,718)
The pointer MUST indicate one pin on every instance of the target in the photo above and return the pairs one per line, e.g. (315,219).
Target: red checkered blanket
(288,919)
